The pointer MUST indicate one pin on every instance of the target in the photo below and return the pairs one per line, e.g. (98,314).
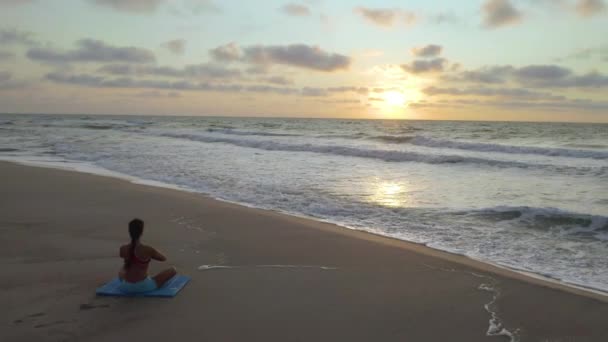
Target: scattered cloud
(588,8)
(176,46)
(496,92)
(14,36)
(559,105)
(444,18)
(543,73)
(430,50)
(202,6)
(97,81)
(15,2)
(421,66)
(541,76)
(5,76)
(484,75)
(387,17)
(295,55)
(499,13)
(295,10)
(7,82)
(226,53)
(200,71)
(6,55)
(90,50)
(314,92)
(600,52)
(279,80)
(134,6)
(358,90)
(158,94)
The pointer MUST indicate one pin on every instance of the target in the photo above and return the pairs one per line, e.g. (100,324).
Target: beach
(292,279)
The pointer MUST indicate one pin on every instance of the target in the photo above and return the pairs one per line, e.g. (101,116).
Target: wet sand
(59,238)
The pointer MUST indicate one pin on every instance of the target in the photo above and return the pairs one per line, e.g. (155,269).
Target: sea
(532,197)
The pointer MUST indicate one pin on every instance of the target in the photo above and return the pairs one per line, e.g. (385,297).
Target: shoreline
(481,265)
(271,276)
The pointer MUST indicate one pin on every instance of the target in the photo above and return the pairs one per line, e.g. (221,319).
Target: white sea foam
(485,147)
(213,267)
(380,154)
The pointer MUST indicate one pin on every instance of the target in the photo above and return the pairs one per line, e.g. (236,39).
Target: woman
(134,274)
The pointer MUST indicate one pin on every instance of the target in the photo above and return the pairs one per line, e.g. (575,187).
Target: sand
(59,238)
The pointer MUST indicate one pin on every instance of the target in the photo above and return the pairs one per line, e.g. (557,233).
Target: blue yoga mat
(170,289)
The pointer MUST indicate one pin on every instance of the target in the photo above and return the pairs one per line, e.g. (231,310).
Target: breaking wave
(380,154)
(484,147)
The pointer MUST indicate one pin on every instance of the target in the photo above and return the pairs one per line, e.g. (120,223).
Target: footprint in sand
(45,325)
(34,315)
(88,306)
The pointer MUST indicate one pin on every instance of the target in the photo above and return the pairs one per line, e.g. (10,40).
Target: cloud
(588,8)
(8,83)
(201,71)
(16,37)
(226,53)
(600,52)
(296,55)
(444,18)
(431,50)
(134,6)
(497,92)
(5,76)
(558,105)
(279,80)
(314,92)
(498,13)
(485,75)
(96,81)
(386,17)
(200,6)
(90,50)
(15,2)
(177,46)
(358,90)
(543,73)
(421,66)
(6,55)
(157,94)
(128,82)
(542,76)
(295,10)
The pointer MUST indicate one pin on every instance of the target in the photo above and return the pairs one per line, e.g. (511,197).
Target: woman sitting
(134,274)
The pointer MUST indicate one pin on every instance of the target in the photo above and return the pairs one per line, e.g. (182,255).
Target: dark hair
(136,228)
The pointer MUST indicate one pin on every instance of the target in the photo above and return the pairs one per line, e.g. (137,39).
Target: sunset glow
(358,59)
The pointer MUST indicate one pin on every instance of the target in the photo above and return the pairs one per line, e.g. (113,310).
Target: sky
(524,60)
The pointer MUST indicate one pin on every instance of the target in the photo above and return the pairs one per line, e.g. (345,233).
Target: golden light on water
(390,194)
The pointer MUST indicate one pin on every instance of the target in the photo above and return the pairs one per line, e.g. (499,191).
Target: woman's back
(137,261)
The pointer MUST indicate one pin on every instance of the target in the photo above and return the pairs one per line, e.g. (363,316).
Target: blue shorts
(145,285)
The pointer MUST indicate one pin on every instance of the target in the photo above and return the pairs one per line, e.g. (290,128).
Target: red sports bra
(137,260)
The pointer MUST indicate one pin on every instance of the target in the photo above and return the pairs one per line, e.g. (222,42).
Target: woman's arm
(156,255)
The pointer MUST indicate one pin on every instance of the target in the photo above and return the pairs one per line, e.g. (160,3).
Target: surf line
(496,327)
(219,267)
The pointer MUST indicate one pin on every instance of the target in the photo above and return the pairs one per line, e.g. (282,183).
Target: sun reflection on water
(390,194)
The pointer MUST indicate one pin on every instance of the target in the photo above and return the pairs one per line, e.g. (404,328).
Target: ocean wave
(484,147)
(385,155)
(394,139)
(230,131)
(547,219)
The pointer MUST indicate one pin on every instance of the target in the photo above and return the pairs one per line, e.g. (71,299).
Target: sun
(394,99)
